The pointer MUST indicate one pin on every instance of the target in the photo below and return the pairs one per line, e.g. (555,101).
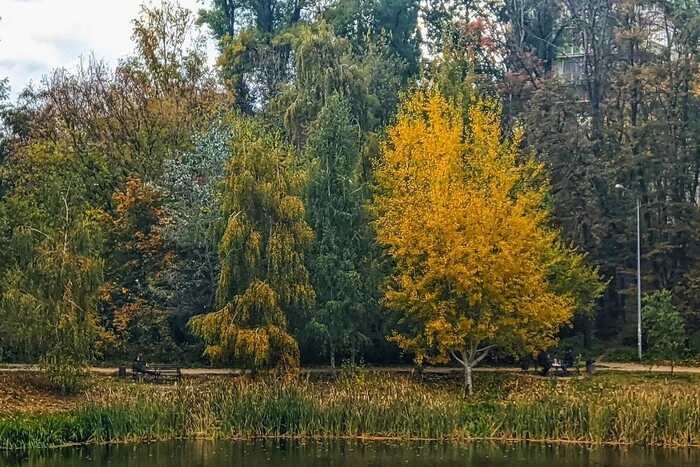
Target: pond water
(283,453)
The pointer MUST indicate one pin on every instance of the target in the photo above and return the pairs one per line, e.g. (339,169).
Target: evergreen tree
(339,259)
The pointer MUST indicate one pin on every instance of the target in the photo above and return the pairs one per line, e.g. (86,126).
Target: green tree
(48,307)
(391,22)
(339,259)
(663,327)
(254,38)
(189,187)
(326,65)
(263,277)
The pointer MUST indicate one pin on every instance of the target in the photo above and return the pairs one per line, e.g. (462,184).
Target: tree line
(352,170)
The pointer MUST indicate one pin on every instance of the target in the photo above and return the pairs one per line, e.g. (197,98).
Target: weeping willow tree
(48,308)
(263,278)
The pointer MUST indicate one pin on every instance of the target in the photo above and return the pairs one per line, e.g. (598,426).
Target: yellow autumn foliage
(263,276)
(462,213)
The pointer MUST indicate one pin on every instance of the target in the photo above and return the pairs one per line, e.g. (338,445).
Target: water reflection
(283,453)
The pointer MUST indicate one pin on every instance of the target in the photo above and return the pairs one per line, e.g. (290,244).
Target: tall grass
(371,407)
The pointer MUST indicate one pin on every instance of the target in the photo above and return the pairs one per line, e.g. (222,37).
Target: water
(350,454)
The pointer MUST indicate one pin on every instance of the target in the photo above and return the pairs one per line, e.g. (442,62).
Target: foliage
(627,116)
(53,285)
(133,292)
(339,259)
(598,92)
(263,278)
(599,410)
(189,187)
(393,23)
(324,67)
(663,327)
(466,224)
(254,41)
(171,49)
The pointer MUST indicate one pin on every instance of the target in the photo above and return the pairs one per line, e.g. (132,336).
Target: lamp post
(639,275)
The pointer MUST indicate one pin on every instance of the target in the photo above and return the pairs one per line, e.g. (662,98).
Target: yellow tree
(462,214)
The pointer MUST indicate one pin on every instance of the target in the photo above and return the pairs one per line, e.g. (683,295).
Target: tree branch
(454,355)
(483,355)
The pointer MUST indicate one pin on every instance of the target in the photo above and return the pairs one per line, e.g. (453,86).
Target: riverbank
(600,409)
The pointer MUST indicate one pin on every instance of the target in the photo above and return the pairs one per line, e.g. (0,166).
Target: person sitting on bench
(567,362)
(543,361)
(139,367)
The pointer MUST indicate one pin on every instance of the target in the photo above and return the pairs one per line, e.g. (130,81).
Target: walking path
(626,367)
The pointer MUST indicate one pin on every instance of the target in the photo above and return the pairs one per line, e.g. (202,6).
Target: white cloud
(37,36)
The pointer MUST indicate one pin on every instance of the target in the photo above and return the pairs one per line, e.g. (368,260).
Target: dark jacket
(138,366)
(569,358)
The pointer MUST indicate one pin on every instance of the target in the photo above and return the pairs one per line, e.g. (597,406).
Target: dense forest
(278,208)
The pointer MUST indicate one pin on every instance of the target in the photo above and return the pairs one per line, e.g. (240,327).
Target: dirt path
(627,367)
(638,367)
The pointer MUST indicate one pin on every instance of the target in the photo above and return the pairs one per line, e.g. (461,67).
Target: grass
(625,409)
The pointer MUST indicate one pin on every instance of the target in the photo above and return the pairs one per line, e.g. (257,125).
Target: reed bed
(376,406)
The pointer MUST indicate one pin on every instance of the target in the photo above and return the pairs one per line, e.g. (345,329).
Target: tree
(189,187)
(391,22)
(254,41)
(136,293)
(171,49)
(327,65)
(663,327)
(462,213)
(48,306)
(339,258)
(263,277)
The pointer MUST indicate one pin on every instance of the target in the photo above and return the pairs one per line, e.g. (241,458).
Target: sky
(37,36)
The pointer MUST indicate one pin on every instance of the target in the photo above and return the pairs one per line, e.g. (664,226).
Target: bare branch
(454,355)
(482,356)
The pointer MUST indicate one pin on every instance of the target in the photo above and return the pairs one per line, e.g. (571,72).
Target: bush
(663,327)
(64,376)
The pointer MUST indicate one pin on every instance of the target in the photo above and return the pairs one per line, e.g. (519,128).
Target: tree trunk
(332,358)
(468,386)
(352,349)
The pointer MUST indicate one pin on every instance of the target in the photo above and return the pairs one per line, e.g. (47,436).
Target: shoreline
(368,438)
(601,410)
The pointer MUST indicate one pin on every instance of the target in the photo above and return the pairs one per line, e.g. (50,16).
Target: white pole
(639,285)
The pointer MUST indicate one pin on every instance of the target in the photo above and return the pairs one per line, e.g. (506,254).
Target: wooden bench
(557,366)
(158,373)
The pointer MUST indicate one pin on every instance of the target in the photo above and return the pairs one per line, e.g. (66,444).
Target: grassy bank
(603,409)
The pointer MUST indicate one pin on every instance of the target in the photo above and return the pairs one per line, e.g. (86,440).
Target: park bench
(158,373)
(576,368)
(557,366)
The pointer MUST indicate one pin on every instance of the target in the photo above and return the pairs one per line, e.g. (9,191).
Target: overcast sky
(37,36)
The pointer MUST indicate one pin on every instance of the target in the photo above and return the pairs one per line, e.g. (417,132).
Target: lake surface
(349,454)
